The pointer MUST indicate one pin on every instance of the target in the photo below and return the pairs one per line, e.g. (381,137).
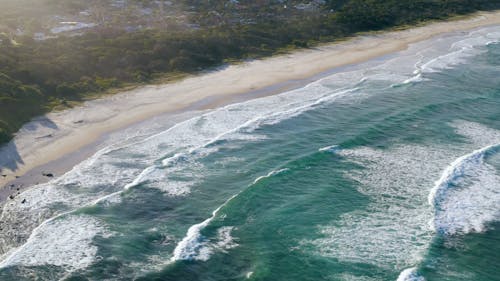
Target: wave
(331,148)
(66,243)
(194,246)
(418,77)
(187,141)
(270,174)
(456,169)
(438,57)
(436,64)
(441,192)
(410,274)
(446,61)
(460,52)
(387,232)
(251,125)
(462,210)
(465,197)
(197,136)
(394,178)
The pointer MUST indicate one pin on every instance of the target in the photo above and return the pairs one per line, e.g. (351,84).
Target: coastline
(60,140)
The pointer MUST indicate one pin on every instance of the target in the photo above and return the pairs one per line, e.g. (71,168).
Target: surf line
(410,274)
(454,171)
(190,245)
(7,257)
(290,112)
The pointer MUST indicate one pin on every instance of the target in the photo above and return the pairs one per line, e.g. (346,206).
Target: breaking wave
(463,209)
(194,246)
(410,274)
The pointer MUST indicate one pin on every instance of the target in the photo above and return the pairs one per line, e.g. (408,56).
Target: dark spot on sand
(46,136)
(49,175)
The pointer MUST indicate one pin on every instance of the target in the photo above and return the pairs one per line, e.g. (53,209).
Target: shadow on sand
(10,159)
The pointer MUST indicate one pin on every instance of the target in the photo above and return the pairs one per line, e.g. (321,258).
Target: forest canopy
(38,75)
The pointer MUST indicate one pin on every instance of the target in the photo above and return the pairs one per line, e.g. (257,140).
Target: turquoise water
(384,171)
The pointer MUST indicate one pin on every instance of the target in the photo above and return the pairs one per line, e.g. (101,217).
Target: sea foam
(194,246)
(392,230)
(330,148)
(64,242)
(410,274)
(442,54)
(462,209)
(119,168)
(116,169)
(399,181)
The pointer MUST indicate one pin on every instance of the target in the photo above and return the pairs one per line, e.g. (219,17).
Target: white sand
(61,133)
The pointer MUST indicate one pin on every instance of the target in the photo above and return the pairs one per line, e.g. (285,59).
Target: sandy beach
(60,140)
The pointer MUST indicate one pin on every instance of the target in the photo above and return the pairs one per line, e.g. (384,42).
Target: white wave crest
(194,246)
(331,148)
(270,174)
(246,122)
(116,169)
(469,208)
(410,274)
(64,242)
(455,170)
(435,56)
(391,232)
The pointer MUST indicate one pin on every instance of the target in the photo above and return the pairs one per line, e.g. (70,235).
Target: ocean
(386,170)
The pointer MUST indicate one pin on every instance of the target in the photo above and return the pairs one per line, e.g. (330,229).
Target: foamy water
(347,171)
(410,274)
(194,246)
(465,209)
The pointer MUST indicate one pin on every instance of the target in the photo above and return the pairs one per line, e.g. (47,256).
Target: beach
(376,158)
(54,143)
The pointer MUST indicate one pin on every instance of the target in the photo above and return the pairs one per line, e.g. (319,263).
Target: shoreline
(56,142)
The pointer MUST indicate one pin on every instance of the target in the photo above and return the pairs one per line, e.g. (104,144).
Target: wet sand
(56,142)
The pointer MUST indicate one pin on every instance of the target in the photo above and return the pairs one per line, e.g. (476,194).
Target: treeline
(377,14)
(37,76)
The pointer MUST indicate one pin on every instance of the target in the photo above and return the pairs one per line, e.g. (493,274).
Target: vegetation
(36,76)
